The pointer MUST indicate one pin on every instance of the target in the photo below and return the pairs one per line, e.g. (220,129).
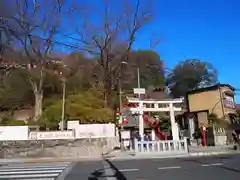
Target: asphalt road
(203,168)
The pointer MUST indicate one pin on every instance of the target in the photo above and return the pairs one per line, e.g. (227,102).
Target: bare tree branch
(113,37)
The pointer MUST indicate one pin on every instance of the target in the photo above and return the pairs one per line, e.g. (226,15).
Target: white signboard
(95,131)
(72,124)
(51,135)
(139,90)
(125,136)
(13,133)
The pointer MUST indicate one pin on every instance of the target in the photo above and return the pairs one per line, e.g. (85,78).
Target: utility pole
(120,102)
(138,78)
(63,104)
(140,108)
(120,92)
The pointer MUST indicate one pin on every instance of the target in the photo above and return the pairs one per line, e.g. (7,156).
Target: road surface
(214,168)
(202,168)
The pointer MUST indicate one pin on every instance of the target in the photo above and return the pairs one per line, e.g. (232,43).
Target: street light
(63,102)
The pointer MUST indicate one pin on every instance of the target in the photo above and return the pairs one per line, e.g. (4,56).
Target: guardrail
(172,146)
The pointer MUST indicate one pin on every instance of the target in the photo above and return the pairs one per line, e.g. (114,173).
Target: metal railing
(161,147)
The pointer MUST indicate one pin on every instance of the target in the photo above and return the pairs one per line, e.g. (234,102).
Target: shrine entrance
(170,106)
(148,105)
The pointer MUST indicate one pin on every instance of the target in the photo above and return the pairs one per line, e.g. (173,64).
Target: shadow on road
(100,173)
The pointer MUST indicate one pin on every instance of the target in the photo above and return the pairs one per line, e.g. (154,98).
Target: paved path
(214,168)
(32,171)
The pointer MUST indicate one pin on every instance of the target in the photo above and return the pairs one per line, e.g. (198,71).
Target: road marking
(214,164)
(29,169)
(32,172)
(29,176)
(33,166)
(66,171)
(170,167)
(35,171)
(128,170)
(37,179)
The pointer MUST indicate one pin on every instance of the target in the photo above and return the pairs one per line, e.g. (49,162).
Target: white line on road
(33,166)
(214,164)
(32,172)
(38,179)
(128,170)
(31,169)
(170,167)
(28,176)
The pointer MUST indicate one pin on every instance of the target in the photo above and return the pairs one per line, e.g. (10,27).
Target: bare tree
(109,32)
(34,26)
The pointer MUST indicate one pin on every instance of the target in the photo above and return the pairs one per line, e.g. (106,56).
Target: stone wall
(57,148)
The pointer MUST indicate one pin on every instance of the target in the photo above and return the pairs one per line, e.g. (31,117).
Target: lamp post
(63,102)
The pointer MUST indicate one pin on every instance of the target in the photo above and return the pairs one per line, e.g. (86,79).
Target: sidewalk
(193,152)
(123,155)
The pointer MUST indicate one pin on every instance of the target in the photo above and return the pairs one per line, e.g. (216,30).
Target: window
(229,102)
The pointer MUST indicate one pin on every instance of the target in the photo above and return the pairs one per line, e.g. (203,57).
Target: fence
(161,147)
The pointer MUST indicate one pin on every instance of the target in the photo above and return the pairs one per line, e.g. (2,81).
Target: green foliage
(11,122)
(164,121)
(189,75)
(218,122)
(51,116)
(164,124)
(87,106)
(16,91)
(150,67)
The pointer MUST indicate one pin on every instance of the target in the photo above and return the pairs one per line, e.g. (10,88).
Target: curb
(115,157)
(200,154)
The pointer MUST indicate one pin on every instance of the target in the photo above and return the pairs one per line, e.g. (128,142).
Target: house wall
(208,100)
(212,101)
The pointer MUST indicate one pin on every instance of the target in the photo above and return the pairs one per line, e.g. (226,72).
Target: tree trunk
(38,105)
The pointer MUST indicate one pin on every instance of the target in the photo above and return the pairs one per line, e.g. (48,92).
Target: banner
(51,135)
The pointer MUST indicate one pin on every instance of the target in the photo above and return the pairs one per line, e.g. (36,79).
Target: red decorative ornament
(125,121)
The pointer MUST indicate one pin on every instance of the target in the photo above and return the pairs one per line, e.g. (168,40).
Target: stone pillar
(141,121)
(174,125)
(153,135)
(191,125)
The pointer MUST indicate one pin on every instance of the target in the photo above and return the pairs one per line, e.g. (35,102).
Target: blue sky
(204,29)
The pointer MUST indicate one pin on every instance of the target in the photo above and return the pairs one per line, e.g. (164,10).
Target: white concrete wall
(80,131)
(220,140)
(94,131)
(13,133)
